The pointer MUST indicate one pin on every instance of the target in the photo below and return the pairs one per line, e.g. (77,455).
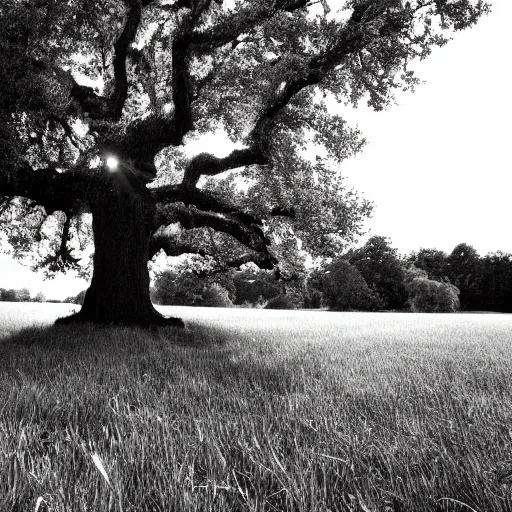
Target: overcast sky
(437,165)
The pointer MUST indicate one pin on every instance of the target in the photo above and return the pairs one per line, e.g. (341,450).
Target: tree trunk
(119,291)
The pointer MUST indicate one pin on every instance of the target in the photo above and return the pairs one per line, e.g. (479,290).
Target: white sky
(437,165)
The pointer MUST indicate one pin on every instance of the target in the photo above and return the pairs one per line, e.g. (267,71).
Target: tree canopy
(100,98)
(380,265)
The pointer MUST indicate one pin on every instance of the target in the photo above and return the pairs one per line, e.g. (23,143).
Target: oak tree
(98,98)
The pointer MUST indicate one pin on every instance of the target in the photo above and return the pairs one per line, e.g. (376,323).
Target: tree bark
(122,223)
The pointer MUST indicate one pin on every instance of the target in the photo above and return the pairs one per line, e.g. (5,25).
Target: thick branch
(203,200)
(208,201)
(190,217)
(351,38)
(120,53)
(147,136)
(173,248)
(239,23)
(47,187)
(209,165)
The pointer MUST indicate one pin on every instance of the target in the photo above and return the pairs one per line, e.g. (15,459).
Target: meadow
(256,410)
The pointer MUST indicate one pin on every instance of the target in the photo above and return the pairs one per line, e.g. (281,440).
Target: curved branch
(190,217)
(203,200)
(351,38)
(173,248)
(206,164)
(208,201)
(239,23)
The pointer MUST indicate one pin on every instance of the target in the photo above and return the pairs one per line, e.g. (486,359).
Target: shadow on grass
(197,352)
(88,335)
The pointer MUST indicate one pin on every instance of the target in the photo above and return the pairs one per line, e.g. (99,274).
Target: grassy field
(250,410)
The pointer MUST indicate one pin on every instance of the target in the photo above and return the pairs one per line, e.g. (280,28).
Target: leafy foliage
(345,288)
(463,272)
(19,295)
(484,283)
(190,289)
(433,262)
(251,287)
(382,270)
(496,282)
(429,296)
(280,302)
(138,80)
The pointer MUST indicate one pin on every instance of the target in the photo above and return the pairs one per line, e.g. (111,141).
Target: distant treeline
(20,295)
(371,278)
(374,277)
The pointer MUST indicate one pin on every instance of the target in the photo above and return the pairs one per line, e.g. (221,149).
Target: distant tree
(345,289)
(9,295)
(496,282)
(433,262)
(40,297)
(176,288)
(313,299)
(215,296)
(23,295)
(464,271)
(382,270)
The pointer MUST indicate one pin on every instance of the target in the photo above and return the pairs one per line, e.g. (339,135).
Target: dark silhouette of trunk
(122,225)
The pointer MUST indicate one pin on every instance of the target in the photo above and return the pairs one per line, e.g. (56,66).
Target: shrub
(189,289)
(214,296)
(428,296)
(280,302)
